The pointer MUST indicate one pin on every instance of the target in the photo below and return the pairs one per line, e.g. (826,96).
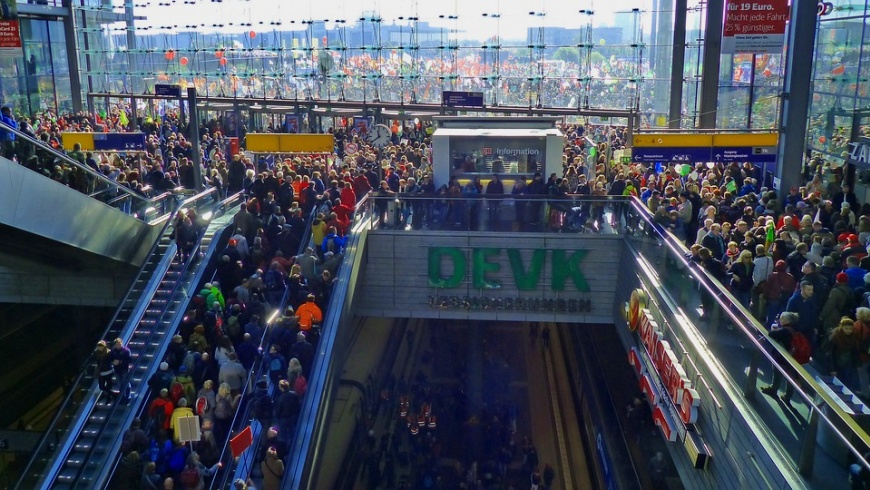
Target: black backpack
(263,406)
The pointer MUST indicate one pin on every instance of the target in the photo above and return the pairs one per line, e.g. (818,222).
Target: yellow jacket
(178,413)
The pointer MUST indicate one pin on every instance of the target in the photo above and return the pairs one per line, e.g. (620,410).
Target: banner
(10,34)
(291,123)
(362,124)
(756,26)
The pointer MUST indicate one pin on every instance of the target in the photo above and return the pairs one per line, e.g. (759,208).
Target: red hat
(853,238)
(842,277)
(844,237)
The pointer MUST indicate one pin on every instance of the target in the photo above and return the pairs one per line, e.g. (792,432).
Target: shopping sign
(756,26)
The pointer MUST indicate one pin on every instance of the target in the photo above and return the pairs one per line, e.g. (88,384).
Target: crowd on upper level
(803,250)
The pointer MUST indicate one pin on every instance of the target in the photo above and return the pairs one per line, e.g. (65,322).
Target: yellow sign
(746,139)
(86,140)
(290,143)
(672,140)
(682,140)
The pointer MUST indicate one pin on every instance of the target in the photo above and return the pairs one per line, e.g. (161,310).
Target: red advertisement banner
(10,36)
(755,26)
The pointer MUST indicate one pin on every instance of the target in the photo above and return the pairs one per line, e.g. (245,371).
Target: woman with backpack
(224,409)
(785,335)
(194,473)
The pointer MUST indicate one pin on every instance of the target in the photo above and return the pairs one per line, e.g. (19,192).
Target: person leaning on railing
(7,138)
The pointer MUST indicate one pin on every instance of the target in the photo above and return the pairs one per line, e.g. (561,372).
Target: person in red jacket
(348,196)
(343,214)
(161,409)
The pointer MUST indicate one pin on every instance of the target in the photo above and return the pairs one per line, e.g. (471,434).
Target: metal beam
(710,67)
(798,89)
(249,103)
(72,57)
(678,61)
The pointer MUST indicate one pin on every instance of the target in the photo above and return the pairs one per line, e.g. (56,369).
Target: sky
(507,18)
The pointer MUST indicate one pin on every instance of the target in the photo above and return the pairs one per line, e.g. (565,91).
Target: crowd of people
(798,262)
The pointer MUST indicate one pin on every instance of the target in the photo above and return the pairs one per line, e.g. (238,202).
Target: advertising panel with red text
(754,26)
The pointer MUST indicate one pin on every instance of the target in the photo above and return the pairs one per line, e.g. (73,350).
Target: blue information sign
(462,99)
(167,90)
(119,141)
(684,154)
(754,154)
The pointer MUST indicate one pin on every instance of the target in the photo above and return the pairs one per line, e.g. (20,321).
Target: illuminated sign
(564,265)
(487,151)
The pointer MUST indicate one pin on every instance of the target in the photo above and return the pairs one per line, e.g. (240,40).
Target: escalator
(85,434)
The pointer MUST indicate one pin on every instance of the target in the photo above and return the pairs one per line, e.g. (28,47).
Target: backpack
(190,477)
(176,392)
(201,405)
(222,408)
(300,386)
(234,329)
(158,421)
(801,349)
(270,280)
(177,460)
(189,360)
(263,408)
(275,365)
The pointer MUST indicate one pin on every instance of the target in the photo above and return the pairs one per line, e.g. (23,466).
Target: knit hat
(842,277)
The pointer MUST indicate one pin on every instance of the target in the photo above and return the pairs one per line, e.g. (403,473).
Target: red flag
(241,442)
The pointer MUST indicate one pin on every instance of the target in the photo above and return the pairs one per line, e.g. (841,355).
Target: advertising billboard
(756,26)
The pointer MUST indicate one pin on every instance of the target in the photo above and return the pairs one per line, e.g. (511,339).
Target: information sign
(754,154)
(462,99)
(167,90)
(754,26)
(119,141)
(686,154)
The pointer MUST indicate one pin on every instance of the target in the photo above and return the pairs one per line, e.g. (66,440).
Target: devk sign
(754,26)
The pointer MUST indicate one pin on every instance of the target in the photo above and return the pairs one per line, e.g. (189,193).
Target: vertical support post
(678,61)
(751,384)
(72,57)
(133,116)
(710,67)
(797,92)
(194,139)
(808,445)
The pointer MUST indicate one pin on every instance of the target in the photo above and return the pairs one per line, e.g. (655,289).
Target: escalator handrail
(220,207)
(89,361)
(318,379)
(258,363)
(139,358)
(145,394)
(243,410)
(67,159)
(716,289)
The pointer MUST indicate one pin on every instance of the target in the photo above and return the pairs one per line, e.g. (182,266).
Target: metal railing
(106,190)
(653,242)
(70,406)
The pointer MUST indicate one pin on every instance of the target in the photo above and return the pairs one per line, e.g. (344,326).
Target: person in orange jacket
(309,314)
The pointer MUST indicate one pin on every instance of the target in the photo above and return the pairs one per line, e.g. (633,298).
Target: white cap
(164,366)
